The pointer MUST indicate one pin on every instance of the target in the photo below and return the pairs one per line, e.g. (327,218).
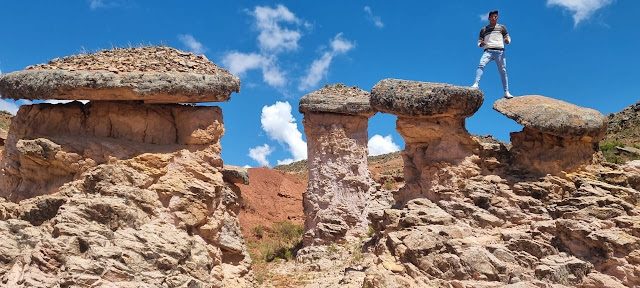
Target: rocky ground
(498,229)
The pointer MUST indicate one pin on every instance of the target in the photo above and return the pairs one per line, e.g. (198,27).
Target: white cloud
(274,37)
(9,105)
(340,45)
(191,43)
(318,70)
(260,153)
(381,145)
(285,161)
(373,18)
(272,75)
(320,67)
(280,125)
(247,166)
(238,63)
(581,9)
(95,4)
(64,101)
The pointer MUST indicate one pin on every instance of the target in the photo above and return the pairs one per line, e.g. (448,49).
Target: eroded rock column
(557,136)
(335,202)
(122,192)
(431,117)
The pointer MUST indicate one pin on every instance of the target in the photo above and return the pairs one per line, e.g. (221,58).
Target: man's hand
(481,44)
(507,40)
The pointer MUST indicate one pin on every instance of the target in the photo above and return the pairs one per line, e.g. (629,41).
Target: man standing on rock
(492,38)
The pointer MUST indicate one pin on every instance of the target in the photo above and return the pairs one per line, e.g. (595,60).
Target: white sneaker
(508,95)
(475,85)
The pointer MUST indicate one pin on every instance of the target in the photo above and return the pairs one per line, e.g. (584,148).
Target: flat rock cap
(424,99)
(155,74)
(554,116)
(338,99)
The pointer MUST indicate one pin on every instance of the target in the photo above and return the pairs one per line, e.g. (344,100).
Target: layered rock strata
(335,202)
(431,119)
(118,193)
(557,136)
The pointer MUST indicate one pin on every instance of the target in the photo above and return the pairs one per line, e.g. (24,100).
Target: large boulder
(339,99)
(557,136)
(554,117)
(406,98)
(152,74)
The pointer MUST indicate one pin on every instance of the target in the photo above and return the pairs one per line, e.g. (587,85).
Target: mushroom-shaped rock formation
(152,74)
(431,119)
(557,136)
(335,122)
(122,193)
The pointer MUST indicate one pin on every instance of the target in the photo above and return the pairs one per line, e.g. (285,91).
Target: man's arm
(505,35)
(481,38)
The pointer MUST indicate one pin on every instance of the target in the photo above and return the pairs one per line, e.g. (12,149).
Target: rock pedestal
(335,202)
(431,118)
(121,193)
(557,136)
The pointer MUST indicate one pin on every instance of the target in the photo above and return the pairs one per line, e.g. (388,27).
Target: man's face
(493,18)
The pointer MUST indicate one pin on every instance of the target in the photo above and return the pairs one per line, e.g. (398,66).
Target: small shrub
(606,146)
(371,232)
(357,254)
(332,249)
(279,242)
(388,185)
(258,231)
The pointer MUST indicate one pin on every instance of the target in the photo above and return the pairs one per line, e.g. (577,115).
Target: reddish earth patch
(271,196)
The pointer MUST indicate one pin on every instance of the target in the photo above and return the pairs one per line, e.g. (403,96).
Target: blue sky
(586,52)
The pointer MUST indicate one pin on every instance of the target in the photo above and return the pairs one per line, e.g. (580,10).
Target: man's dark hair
(493,12)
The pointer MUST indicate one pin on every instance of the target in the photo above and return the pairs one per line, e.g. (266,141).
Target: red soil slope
(271,196)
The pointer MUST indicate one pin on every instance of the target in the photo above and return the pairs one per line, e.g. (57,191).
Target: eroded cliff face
(118,193)
(49,144)
(121,194)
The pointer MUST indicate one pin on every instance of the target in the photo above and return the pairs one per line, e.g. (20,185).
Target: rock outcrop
(431,118)
(557,136)
(335,202)
(119,193)
(469,217)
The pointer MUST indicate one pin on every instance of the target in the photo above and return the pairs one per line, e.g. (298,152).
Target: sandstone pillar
(131,187)
(557,136)
(335,202)
(431,118)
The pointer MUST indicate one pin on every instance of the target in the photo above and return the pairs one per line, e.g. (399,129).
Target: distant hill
(623,131)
